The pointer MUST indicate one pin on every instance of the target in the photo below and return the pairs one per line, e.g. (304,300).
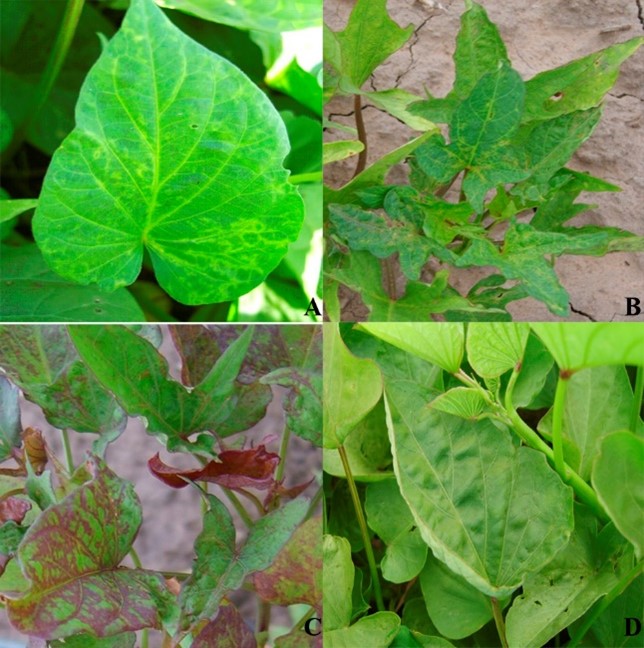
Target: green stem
(620,586)
(258,505)
(363,529)
(69,457)
(135,558)
(144,638)
(557,424)
(314,503)
(637,400)
(50,73)
(299,624)
(286,437)
(583,491)
(238,507)
(498,620)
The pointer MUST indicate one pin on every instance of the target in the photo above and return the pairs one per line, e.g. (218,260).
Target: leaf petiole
(557,424)
(637,400)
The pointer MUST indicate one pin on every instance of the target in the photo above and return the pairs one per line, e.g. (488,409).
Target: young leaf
(72,553)
(472,539)
(31,292)
(235,469)
(205,148)
(360,51)
(10,426)
(493,349)
(574,346)
(352,387)
(220,567)
(617,479)
(465,402)
(296,574)
(227,630)
(337,582)
(42,361)
(440,344)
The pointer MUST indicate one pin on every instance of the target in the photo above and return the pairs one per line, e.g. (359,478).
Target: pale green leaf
(494,348)
(11,208)
(465,402)
(352,387)
(575,346)
(376,631)
(404,557)
(396,102)
(577,85)
(617,479)
(336,151)
(31,292)
(479,515)
(441,344)
(337,582)
(200,185)
(269,15)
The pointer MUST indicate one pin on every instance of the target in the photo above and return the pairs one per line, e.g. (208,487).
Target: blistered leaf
(493,349)
(560,593)
(227,630)
(574,346)
(42,361)
(220,567)
(296,574)
(359,51)
(441,344)
(9,418)
(457,505)
(235,469)
(577,85)
(617,479)
(274,15)
(200,186)
(31,292)
(71,555)
(352,387)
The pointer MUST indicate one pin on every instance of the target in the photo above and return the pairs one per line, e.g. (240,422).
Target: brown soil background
(539,35)
(172,517)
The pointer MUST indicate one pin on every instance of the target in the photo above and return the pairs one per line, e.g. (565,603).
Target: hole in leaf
(557,96)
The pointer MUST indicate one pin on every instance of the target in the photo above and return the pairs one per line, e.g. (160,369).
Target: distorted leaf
(227,630)
(13,508)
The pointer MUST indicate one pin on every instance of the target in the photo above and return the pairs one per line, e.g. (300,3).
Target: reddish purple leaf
(13,508)
(235,469)
(71,555)
(299,639)
(296,574)
(228,630)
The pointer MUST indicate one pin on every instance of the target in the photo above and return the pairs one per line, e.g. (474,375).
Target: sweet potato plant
(483,485)
(66,525)
(159,164)
(488,181)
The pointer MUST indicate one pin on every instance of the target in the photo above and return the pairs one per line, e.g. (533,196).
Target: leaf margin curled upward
(99,578)
(210,247)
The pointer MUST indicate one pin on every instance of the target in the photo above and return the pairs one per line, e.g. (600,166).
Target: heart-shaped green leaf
(494,348)
(177,153)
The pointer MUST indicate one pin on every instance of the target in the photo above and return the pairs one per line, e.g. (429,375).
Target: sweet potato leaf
(205,149)
(271,15)
(227,630)
(234,469)
(71,555)
(31,292)
(10,426)
(42,361)
(617,478)
(296,574)
(137,374)
(337,582)
(220,567)
(479,50)
(474,540)
(493,349)
(359,51)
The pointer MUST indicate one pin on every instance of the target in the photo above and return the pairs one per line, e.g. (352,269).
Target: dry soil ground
(539,34)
